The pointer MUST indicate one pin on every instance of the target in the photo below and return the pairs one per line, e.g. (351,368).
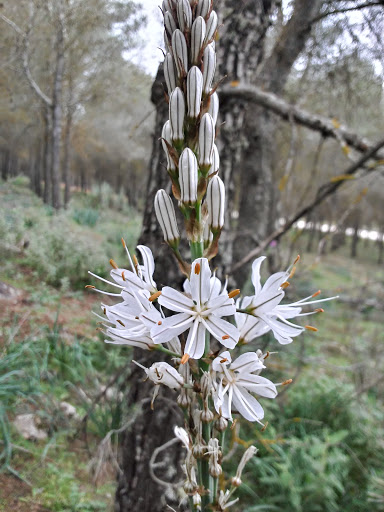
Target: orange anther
(310,328)
(123,242)
(286,382)
(90,286)
(197,269)
(113,263)
(185,358)
(159,322)
(154,296)
(225,337)
(123,276)
(105,311)
(120,322)
(297,259)
(266,355)
(265,426)
(224,360)
(317,293)
(319,310)
(293,271)
(233,293)
(285,285)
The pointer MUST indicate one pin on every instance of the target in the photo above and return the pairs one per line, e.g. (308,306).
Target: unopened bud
(213,108)
(207,416)
(166,135)
(215,160)
(180,53)
(167,5)
(184,14)
(209,59)
(211,26)
(203,7)
(216,203)
(194,91)
(163,373)
(206,140)
(188,177)
(177,114)
(166,217)
(169,23)
(196,500)
(221,424)
(197,38)
(170,72)
(190,487)
(199,450)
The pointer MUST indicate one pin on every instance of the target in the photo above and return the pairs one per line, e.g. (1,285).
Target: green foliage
(86,216)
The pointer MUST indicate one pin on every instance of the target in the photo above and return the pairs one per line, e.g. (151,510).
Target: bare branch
(327,127)
(25,59)
(344,10)
(322,193)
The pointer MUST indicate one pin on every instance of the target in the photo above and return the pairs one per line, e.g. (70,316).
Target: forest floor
(51,352)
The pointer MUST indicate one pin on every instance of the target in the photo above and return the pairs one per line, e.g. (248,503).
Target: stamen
(293,272)
(319,310)
(113,264)
(225,337)
(297,259)
(154,296)
(137,318)
(197,269)
(224,360)
(185,358)
(120,322)
(266,355)
(310,328)
(159,322)
(265,426)
(285,284)
(286,382)
(316,294)
(123,242)
(105,311)
(233,293)
(90,286)
(123,276)
(233,424)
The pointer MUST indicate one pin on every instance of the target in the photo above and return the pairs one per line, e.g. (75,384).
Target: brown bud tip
(197,269)
(90,286)
(233,293)
(310,328)
(154,296)
(184,359)
(123,242)
(113,263)
(285,285)
(286,382)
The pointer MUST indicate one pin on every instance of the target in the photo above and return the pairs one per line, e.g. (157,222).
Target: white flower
(265,311)
(237,379)
(200,312)
(163,373)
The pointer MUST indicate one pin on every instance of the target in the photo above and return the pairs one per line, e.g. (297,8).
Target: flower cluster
(199,325)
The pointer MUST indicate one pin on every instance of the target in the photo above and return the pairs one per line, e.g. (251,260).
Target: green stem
(160,348)
(197,247)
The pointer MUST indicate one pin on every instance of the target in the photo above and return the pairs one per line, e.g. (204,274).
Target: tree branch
(343,10)
(322,193)
(327,127)
(25,59)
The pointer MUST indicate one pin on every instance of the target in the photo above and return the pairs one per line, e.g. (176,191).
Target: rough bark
(355,238)
(46,160)
(67,156)
(136,489)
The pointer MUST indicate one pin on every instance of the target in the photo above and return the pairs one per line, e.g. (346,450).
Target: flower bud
(196,500)
(169,23)
(167,5)
(197,38)
(177,113)
(221,424)
(206,139)
(209,59)
(164,373)
(188,177)
(216,203)
(166,217)
(213,108)
(180,53)
(207,235)
(207,416)
(215,160)
(182,435)
(211,26)
(170,72)
(184,14)
(203,7)
(167,135)
(194,91)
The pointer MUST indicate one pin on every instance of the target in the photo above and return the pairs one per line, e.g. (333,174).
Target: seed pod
(216,203)
(194,91)
(203,7)
(211,26)
(169,23)
(213,108)
(167,135)
(184,15)
(197,38)
(180,53)
(209,60)
(165,214)
(206,140)
(177,113)
(188,177)
(215,160)
(170,73)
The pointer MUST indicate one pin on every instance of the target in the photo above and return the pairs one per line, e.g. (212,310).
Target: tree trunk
(67,156)
(57,115)
(136,489)
(5,164)
(380,241)
(355,238)
(47,155)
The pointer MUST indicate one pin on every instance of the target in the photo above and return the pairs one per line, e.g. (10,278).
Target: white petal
(217,362)
(256,273)
(148,264)
(247,405)
(200,280)
(283,333)
(221,306)
(174,300)
(220,328)
(287,311)
(171,327)
(195,344)
(267,300)
(275,281)
(246,363)
(259,385)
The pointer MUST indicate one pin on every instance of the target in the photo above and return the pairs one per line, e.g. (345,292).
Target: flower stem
(160,348)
